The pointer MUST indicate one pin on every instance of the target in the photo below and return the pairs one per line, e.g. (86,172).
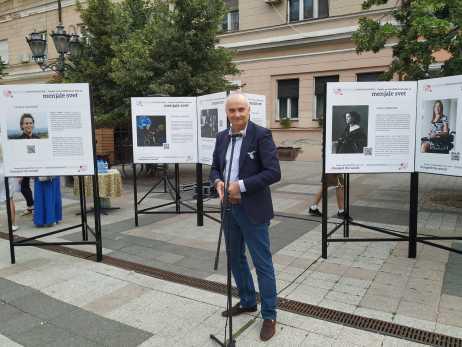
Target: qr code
(166,146)
(367,150)
(30,149)
(455,156)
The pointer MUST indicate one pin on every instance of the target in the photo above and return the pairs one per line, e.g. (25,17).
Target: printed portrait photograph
(438,130)
(349,128)
(151,131)
(27,126)
(209,123)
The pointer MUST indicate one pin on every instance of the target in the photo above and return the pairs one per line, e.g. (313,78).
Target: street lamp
(65,44)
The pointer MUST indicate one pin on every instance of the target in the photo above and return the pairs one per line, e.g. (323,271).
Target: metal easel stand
(425,239)
(347,220)
(33,241)
(395,235)
(173,189)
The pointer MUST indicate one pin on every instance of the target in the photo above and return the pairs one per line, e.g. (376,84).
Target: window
(4,51)
(369,76)
(307,9)
(231,19)
(320,94)
(288,98)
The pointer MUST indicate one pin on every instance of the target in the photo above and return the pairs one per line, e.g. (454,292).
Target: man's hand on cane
(234,192)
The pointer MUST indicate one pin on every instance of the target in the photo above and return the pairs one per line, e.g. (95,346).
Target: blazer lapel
(246,141)
(223,150)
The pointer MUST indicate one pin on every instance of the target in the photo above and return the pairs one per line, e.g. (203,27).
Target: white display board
(164,130)
(370,127)
(183,129)
(257,109)
(211,119)
(46,130)
(439,129)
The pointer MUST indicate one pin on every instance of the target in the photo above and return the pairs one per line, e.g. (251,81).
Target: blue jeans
(256,236)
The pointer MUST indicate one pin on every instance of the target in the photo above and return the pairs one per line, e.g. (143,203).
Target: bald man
(254,167)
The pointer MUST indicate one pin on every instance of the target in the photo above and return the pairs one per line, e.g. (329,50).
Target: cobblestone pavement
(370,279)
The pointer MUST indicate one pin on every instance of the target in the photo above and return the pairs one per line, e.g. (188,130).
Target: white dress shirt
(234,176)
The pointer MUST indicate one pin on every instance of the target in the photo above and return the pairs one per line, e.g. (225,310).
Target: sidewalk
(52,299)
(374,280)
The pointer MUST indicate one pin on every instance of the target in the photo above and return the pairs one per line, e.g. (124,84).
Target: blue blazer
(258,171)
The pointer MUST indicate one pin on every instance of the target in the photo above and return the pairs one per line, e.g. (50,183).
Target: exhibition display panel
(391,127)
(164,130)
(370,127)
(181,130)
(438,145)
(47,130)
(211,120)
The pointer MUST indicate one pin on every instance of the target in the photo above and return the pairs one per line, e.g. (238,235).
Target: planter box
(288,153)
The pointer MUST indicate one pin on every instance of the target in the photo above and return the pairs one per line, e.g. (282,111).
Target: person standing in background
(27,193)
(333,180)
(48,201)
(13,187)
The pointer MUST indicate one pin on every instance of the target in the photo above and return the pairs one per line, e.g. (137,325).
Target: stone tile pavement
(372,279)
(52,299)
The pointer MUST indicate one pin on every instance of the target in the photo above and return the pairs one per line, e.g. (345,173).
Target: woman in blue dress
(48,202)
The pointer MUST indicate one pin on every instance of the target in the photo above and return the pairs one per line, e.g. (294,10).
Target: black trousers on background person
(27,192)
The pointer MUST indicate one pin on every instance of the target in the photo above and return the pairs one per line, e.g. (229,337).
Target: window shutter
(288,88)
(320,83)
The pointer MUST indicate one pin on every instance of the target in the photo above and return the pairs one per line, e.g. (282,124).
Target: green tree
(419,29)
(93,65)
(144,47)
(175,53)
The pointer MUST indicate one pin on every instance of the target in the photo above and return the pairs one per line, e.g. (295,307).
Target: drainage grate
(322,313)
(369,324)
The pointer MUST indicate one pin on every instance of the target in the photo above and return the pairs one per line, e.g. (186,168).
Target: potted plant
(285,122)
(320,121)
(288,153)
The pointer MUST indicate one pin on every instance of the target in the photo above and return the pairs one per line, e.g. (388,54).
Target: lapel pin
(251,155)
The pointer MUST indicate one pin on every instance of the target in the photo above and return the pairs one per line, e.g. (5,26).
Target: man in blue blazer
(254,167)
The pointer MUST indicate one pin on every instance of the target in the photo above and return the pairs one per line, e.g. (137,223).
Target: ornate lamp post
(65,44)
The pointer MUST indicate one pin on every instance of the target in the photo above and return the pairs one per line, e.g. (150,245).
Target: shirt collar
(242,132)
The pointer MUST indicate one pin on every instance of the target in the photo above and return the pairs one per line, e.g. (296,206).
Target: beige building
(18,18)
(285,49)
(288,49)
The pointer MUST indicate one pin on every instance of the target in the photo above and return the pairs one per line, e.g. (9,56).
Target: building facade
(285,49)
(18,18)
(288,49)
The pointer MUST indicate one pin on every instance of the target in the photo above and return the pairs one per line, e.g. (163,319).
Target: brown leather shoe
(237,310)
(268,329)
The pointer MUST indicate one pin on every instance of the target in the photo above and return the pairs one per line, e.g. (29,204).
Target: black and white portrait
(349,128)
(209,123)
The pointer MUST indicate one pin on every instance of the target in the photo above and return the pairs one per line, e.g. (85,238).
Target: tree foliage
(93,66)
(175,52)
(145,47)
(418,30)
